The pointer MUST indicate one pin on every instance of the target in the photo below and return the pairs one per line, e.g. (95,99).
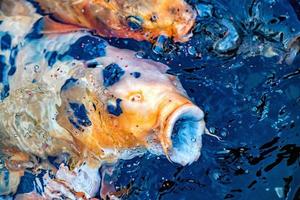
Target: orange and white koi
(75,93)
(137,19)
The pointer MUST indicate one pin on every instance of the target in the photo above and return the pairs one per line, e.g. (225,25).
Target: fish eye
(134,22)
(154,18)
(136,97)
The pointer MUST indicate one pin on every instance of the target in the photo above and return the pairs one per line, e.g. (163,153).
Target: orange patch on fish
(138,19)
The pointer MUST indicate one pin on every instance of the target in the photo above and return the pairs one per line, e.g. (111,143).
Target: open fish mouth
(182,134)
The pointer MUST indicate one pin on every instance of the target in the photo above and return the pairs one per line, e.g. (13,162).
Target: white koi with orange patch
(75,93)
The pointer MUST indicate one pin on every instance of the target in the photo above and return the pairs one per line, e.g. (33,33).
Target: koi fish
(74,93)
(137,19)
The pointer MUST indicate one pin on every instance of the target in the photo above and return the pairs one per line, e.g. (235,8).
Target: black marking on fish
(80,116)
(29,183)
(2,67)
(93,64)
(69,84)
(12,60)
(71,120)
(56,161)
(86,48)
(26,183)
(115,109)
(36,31)
(136,74)
(51,57)
(4,78)
(112,74)
(36,5)
(6,42)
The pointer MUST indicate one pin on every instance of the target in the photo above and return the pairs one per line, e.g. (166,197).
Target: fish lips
(182,136)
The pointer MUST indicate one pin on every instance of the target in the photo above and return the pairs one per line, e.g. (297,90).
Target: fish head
(143,19)
(132,103)
(137,19)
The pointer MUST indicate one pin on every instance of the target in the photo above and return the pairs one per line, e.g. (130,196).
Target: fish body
(74,93)
(137,19)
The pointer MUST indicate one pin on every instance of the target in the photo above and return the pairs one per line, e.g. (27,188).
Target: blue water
(251,99)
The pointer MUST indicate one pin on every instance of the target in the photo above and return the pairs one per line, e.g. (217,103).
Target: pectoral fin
(53,27)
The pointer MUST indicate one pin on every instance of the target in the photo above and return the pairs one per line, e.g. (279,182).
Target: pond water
(237,70)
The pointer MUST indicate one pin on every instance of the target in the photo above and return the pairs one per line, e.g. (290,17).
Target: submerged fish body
(75,93)
(140,20)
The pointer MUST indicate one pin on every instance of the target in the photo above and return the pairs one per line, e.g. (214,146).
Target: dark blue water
(238,68)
